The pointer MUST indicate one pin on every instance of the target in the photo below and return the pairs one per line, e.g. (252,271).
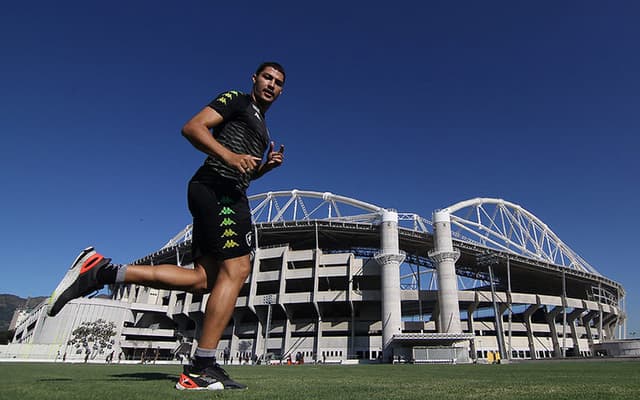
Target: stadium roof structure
(538,259)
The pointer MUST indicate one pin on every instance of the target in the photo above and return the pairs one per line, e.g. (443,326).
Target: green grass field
(534,380)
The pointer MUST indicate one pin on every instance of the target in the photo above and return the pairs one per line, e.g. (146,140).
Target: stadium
(338,280)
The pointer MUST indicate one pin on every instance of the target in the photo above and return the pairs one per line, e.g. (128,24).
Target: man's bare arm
(196,130)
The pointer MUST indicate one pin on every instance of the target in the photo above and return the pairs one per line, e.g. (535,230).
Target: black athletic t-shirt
(242,131)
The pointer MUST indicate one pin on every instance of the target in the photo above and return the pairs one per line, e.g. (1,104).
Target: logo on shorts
(226,211)
(226,200)
(228,233)
(227,222)
(248,239)
(229,244)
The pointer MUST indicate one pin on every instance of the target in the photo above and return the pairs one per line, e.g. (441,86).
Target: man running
(221,243)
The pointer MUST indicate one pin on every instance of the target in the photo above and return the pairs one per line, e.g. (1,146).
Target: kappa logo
(226,211)
(227,96)
(226,200)
(228,233)
(227,222)
(229,244)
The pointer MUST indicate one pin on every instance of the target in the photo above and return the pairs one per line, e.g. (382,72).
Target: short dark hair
(273,65)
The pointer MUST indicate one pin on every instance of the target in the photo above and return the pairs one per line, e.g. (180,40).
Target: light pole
(268,300)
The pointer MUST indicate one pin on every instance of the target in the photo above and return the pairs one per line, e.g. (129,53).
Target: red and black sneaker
(210,378)
(80,280)
(198,382)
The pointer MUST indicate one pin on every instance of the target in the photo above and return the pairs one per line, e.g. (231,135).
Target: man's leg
(232,274)
(205,372)
(166,276)
(91,271)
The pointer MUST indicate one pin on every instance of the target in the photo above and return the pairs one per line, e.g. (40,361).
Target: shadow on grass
(147,376)
(55,380)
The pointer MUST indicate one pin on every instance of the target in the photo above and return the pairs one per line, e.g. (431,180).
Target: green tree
(94,336)
(6,336)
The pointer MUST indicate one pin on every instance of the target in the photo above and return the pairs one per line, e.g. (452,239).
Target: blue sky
(413,105)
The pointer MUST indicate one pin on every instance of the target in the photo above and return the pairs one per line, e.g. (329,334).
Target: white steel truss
(300,205)
(492,223)
(505,226)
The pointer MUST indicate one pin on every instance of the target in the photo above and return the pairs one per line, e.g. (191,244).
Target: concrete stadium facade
(337,279)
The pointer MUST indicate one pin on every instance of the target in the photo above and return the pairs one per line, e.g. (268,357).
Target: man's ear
(253,78)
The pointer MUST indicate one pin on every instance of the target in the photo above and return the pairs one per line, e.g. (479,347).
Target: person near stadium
(232,132)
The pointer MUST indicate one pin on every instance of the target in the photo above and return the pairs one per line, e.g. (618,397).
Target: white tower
(445,257)
(389,260)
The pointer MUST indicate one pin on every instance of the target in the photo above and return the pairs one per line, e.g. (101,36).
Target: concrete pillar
(389,260)
(551,320)
(172,303)
(288,326)
(472,308)
(317,346)
(253,282)
(571,320)
(527,320)
(598,324)
(317,254)
(502,308)
(445,257)
(609,326)
(258,341)
(600,321)
(233,343)
(586,322)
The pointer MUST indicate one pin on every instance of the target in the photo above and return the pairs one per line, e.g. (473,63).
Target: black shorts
(221,220)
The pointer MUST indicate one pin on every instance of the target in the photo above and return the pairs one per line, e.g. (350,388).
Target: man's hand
(275,158)
(244,163)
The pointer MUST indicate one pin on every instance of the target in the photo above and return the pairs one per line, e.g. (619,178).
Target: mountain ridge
(9,303)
